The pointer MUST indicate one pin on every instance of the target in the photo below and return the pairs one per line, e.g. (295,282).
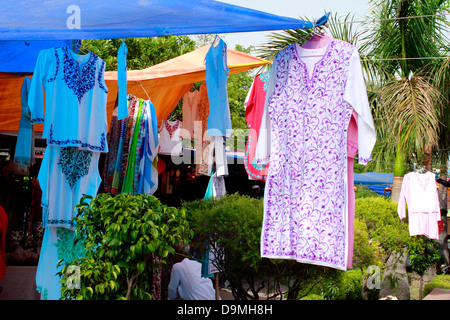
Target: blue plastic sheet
(107,19)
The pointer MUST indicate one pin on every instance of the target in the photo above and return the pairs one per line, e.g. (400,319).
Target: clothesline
(387,59)
(388,19)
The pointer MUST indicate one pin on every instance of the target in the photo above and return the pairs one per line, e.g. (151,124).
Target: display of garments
(210,150)
(170,142)
(219,120)
(122,80)
(24,152)
(130,166)
(186,282)
(310,99)
(66,174)
(3,230)
(75,99)
(128,183)
(148,167)
(57,244)
(419,193)
(254,107)
(129,125)
(190,114)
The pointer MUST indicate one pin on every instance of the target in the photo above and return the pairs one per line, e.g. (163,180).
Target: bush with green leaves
(441,281)
(125,237)
(231,226)
(385,227)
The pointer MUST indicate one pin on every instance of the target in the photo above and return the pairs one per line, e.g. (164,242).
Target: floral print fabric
(305,196)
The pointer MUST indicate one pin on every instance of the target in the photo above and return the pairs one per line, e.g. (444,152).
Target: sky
(311,9)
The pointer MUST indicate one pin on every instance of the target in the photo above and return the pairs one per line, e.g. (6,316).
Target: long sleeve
(122,81)
(356,95)
(36,93)
(263,147)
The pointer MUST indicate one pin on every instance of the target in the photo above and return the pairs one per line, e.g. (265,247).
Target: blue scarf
(24,153)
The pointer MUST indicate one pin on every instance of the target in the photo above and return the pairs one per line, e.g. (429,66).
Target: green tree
(142,52)
(423,254)
(408,103)
(124,238)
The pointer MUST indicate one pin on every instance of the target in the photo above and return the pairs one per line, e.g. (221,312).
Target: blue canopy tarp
(374,180)
(24,24)
(107,19)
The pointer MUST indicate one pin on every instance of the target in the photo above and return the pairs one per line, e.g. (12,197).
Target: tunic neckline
(300,58)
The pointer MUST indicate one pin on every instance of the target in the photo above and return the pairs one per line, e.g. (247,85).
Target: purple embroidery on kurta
(305,202)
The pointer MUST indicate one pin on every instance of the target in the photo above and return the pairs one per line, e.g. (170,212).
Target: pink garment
(253,114)
(352,149)
(420,193)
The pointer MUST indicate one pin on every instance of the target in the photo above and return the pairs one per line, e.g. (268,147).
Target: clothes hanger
(212,44)
(318,36)
(140,83)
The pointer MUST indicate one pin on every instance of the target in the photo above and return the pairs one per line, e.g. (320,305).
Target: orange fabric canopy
(167,82)
(164,83)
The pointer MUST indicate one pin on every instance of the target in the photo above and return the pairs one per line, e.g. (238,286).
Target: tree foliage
(124,237)
(142,52)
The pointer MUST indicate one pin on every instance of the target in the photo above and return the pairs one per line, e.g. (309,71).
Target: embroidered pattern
(170,128)
(74,163)
(101,147)
(80,78)
(56,69)
(264,77)
(37,120)
(305,197)
(100,77)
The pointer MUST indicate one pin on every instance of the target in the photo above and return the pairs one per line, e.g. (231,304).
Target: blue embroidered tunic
(75,99)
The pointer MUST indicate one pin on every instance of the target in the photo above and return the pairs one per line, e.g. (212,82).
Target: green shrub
(124,238)
(383,223)
(312,296)
(441,281)
(231,226)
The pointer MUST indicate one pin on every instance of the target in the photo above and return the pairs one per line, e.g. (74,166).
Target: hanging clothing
(75,99)
(216,187)
(419,193)
(24,152)
(209,149)
(170,142)
(148,167)
(111,157)
(130,165)
(254,107)
(219,120)
(128,183)
(304,136)
(66,174)
(190,114)
(203,147)
(57,244)
(128,136)
(122,80)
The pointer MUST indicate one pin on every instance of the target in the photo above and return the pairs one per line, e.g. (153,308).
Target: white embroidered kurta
(304,136)
(66,174)
(75,99)
(420,193)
